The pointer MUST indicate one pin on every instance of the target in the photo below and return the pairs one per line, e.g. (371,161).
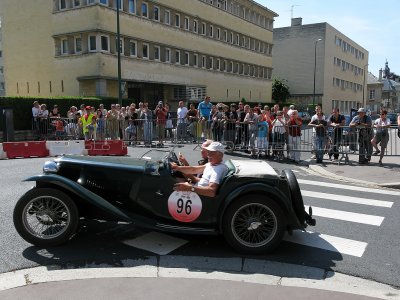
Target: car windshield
(155,155)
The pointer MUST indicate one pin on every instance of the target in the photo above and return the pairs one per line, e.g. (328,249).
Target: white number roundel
(184,206)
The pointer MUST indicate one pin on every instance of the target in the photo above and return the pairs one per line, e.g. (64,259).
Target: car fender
(82,193)
(259,188)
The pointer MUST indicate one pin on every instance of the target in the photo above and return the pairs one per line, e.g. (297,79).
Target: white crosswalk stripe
(349,187)
(348,199)
(346,216)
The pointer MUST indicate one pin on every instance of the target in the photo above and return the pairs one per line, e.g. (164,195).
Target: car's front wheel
(46,217)
(254,225)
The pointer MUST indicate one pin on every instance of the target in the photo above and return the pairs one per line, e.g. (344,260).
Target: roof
(390,85)
(372,79)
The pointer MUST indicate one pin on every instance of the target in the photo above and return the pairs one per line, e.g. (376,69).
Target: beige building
(375,92)
(340,66)
(170,49)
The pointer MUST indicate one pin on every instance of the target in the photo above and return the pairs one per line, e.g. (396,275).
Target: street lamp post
(315,67)
(119,55)
(363,99)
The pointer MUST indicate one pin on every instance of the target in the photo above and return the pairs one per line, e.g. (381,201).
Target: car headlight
(50,167)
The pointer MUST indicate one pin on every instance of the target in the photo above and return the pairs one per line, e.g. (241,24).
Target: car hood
(116,162)
(253,168)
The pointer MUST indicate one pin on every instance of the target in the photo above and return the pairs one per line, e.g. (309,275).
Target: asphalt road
(352,238)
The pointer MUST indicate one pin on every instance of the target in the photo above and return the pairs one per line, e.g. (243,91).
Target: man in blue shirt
(204,110)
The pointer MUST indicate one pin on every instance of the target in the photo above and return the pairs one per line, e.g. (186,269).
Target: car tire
(55,214)
(246,228)
(295,194)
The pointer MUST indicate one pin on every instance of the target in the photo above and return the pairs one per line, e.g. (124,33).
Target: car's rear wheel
(46,217)
(254,225)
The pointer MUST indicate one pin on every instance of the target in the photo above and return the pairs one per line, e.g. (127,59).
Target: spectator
(88,121)
(251,119)
(291,109)
(71,112)
(59,126)
(320,125)
(101,125)
(169,125)
(181,115)
(268,118)
(112,122)
(381,137)
(35,118)
(130,131)
(217,125)
(54,113)
(231,119)
(363,123)
(294,133)
(147,117)
(43,121)
(161,117)
(337,121)
(103,110)
(318,110)
(73,128)
(262,136)
(204,110)
(82,109)
(139,124)
(278,136)
(192,119)
(242,129)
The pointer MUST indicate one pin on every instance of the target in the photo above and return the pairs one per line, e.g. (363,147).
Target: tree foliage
(280,90)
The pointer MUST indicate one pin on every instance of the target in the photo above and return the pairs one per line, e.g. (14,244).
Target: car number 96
(184,206)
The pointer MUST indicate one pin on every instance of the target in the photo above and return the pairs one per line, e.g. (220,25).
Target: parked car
(253,208)
(305,116)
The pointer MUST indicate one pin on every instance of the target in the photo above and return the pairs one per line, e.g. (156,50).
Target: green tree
(280,90)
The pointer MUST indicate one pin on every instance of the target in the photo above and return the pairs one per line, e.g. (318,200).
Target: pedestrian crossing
(334,205)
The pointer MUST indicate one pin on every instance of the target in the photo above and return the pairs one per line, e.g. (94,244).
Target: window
(167,19)
(177,20)
(104,2)
(237,39)
(104,42)
(121,4)
(167,55)
(156,13)
(64,46)
(225,35)
(145,51)
(91,1)
(145,12)
(231,38)
(121,46)
(211,63)
(231,67)
(203,61)
(218,67)
(186,58)
(1,70)
(78,44)
(177,56)
(211,31)
(218,34)
(2,87)
(132,6)
(195,60)
(92,43)
(62,4)
(203,28)
(195,24)
(157,53)
(76,3)
(132,48)
(186,23)
(371,94)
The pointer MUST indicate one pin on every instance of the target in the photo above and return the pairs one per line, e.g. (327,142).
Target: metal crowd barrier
(235,136)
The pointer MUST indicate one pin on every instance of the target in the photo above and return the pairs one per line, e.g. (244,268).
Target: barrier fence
(236,136)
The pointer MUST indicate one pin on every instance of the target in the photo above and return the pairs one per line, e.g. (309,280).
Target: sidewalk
(372,174)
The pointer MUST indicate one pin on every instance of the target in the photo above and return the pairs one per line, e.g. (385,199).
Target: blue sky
(374,25)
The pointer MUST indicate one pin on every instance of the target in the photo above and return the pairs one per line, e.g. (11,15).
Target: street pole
(315,68)
(363,99)
(119,56)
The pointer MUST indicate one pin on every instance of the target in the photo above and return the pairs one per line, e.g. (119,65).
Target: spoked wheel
(46,217)
(253,225)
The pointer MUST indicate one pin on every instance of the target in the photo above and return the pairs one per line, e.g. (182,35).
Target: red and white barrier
(25,149)
(57,148)
(112,147)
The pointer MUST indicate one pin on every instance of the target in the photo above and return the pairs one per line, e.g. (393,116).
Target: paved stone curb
(211,268)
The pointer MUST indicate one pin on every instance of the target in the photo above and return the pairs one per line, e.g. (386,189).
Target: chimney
(380,74)
(297,21)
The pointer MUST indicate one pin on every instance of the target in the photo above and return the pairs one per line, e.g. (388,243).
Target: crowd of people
(259,130)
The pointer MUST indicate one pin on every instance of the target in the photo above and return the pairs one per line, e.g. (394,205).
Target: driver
(213,172)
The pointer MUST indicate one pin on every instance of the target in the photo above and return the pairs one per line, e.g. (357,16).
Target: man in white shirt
(213,173)
(181,122)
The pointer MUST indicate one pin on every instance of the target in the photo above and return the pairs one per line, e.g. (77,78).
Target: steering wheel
(172,158)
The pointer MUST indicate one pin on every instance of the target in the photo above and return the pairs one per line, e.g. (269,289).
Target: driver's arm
(188,169)
(208,191)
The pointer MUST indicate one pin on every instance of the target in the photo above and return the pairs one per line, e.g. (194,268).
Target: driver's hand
(174,166)
(182,187)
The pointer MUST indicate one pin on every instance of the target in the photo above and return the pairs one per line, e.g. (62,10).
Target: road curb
(242,270)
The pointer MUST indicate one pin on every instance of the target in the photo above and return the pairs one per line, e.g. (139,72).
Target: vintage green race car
(253,208)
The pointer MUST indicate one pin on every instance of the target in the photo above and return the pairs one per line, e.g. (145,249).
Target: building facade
(374,93)
(170,49)
(321,65)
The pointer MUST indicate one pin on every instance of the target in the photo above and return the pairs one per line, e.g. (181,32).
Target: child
(59,124)
(262,135)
